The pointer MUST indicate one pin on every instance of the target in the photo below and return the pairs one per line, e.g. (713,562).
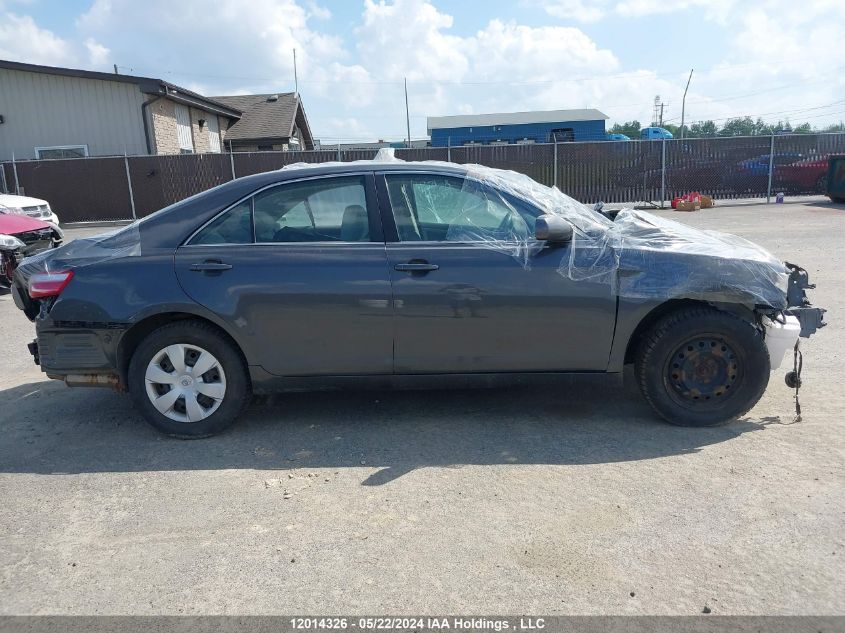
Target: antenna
(295,78)
(407,113)
(684,103)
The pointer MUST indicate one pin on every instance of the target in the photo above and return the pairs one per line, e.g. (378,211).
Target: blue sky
(777,59)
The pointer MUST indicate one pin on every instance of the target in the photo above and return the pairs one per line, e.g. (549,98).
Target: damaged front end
(810,317)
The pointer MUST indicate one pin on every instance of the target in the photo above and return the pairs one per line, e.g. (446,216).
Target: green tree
(702,129)
(631,129)
(742,126)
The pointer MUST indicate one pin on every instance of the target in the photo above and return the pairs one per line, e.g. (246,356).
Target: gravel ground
(521,501)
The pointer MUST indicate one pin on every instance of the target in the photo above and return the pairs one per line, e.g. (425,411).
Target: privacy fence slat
(631,172)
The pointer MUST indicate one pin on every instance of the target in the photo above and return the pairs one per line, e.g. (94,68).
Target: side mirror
(553,229)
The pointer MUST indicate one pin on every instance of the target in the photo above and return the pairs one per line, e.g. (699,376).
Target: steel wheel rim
(703,371)
(185,383)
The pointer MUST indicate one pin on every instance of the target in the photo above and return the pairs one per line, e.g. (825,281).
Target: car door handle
(416,267)
(210,267)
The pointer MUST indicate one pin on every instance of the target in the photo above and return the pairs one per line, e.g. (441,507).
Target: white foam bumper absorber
(780,338)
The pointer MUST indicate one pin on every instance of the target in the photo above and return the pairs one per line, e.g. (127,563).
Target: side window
(329,209)
(443,208)
(233,227)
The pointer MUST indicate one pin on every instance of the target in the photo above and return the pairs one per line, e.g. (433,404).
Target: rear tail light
(49,284)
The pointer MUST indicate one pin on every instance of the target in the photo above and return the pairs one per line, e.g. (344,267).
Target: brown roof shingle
(262,117)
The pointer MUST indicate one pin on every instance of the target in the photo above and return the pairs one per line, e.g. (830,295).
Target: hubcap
(185,383)
(703,370)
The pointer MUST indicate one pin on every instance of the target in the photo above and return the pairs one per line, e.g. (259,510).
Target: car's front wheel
(188,380)
(701,366)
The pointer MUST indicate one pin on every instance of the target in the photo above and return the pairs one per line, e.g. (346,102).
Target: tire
(702,366)
(207,403)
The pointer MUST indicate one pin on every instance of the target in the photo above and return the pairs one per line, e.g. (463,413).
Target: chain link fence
(618,172)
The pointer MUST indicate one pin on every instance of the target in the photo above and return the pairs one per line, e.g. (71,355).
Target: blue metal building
(517,127)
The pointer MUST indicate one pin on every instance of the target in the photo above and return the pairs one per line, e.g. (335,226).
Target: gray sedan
(393,274)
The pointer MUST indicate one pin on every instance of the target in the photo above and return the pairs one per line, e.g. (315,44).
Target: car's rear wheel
(702,366)
(188,380)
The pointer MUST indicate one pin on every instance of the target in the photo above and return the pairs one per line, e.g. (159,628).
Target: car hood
(646,256)
(10,200)
(12,224)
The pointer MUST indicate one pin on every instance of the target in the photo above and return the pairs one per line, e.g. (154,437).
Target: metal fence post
(3,186)
(554,177)
(15,171)
(339,159)
(663,172)
(129,183)
(771,169)
(232,160)
(449,149)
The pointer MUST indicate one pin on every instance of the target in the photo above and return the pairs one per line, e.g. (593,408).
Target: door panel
(481,311)
(313,296)
(462,305)
(299,309)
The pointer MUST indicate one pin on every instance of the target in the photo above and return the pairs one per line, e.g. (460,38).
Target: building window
(213,134)
(563,135)
(265,147)
(183,129)
(62,151)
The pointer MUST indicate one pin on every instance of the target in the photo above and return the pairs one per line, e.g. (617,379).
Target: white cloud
(319,12)
(351,78)
(98,55)
(595,10)
(21,39)
(217,44)
(407,39)
(578,10)
(713,9)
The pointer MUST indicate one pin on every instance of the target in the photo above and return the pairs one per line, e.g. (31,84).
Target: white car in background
(32,207)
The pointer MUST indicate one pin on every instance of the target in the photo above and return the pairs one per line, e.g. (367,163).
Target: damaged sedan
(392,274)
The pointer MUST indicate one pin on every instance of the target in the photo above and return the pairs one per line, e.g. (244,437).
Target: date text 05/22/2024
(452,623)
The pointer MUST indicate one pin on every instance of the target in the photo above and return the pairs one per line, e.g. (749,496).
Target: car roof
(299,170)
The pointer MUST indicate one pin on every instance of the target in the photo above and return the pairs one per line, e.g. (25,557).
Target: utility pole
(295,78)
(661,114)
(684,103)
(407,113)
(115,70)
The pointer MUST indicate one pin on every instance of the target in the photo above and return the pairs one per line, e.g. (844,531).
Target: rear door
(467,300)
(298,270)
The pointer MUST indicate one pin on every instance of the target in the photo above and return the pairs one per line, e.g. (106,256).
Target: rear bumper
(79,356)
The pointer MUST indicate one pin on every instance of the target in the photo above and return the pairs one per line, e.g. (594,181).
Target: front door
(298,270)
(466,296)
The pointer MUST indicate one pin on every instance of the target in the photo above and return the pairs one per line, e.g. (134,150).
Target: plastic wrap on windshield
(119,243)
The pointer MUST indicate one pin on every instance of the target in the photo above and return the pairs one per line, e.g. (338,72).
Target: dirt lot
(576,502)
